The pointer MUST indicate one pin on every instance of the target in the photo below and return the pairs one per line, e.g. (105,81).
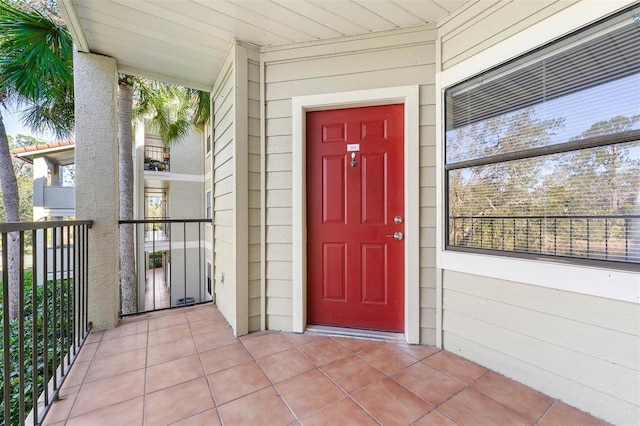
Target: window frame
(208,205)
(525,56)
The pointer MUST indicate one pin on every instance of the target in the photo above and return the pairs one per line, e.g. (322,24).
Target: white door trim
(409,96)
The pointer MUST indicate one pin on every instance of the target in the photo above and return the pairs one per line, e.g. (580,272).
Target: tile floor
(156,295)
(185,367)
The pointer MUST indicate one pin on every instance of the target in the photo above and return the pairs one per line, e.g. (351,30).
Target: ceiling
(185,41)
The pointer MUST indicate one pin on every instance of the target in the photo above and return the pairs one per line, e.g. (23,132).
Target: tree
(36,60)
(168,110)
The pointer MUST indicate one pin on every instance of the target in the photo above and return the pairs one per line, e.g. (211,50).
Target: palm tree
(36,74)
(170,111)
(36,60)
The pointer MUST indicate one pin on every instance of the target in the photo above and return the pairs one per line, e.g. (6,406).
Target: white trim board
(409,96)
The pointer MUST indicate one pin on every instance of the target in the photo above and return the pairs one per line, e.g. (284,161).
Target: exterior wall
(96,179)
(580,348)
(572,332)
(235,171)
(479,25)
(390,59)
(254,187)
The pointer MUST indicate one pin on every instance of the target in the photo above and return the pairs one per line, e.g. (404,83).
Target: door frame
(409,96)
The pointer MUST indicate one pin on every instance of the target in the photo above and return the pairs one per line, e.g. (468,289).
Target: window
(208,147)
(208,205)
(542,155)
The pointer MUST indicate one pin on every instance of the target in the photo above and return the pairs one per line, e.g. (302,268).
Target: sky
(14,127)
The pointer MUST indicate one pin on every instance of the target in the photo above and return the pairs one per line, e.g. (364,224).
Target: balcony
(186,365)
(157,158)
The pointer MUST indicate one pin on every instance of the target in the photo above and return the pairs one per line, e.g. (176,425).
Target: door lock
(397,220)
(397,235)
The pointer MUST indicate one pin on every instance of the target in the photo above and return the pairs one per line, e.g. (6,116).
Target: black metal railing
(157,158)
(170,263)
(156,231)
(606,237)
(44,313)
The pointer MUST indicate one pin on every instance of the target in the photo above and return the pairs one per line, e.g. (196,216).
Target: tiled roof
(43,147)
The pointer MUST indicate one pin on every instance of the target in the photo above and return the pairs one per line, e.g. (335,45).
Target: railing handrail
(31,226)
(159,220)
(616,216)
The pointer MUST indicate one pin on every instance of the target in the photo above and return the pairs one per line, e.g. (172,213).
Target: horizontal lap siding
(254,206)
(482,24)
(579,348)
(223,194)
(582,349)
(404,57)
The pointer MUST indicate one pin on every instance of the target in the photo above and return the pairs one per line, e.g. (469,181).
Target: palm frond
(36,67)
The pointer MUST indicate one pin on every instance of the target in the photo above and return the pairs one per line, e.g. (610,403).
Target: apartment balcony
(185,365)
(157,159)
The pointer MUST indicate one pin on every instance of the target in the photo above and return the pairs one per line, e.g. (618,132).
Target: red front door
(355,204)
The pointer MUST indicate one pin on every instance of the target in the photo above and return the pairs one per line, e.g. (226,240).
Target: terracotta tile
(169,334)
(561,414)
(470,407)
(123,414)
(59,412)
(94,337)
(390,403)
(68,391)
(435,418)
(265,344)
(167,319)
(87,352)
(428,383)
(121,344)
(173,372)
(209,418)
(284,365)
(417,351)
(387,358)
(357,345)
(126,328)
(338,413)
(165,352)
(324,352)
(455,366)
(117,364)
(525,401)
(237,381)
(105,392)
(299,339)
(178,402)
(225,357)
(309,392)
(352,373)
(266,407)
(214,339)
(77,374)
(205,326)
(201,313)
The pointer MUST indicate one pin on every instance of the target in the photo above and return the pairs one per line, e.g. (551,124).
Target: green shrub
(60,340)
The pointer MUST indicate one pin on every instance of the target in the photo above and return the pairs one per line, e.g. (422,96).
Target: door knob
(397,235)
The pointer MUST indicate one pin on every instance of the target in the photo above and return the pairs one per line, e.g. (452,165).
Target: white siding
(254,206)
(236,180)
(479,25)
(578,348)
(581,348)
(397,58)
(224,263)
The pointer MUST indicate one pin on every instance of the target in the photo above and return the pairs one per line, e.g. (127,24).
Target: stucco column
(96,179)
